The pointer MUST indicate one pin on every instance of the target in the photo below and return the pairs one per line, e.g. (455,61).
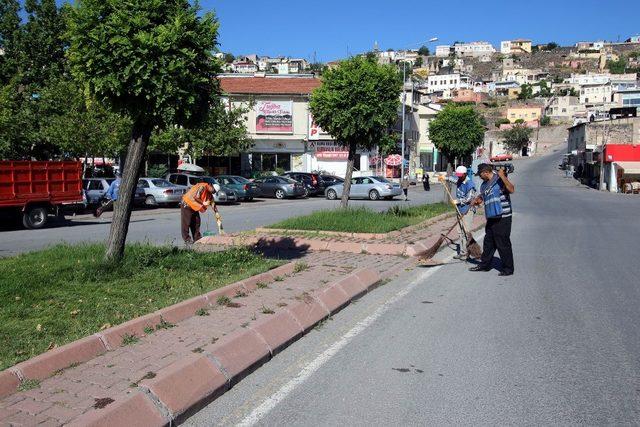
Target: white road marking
(269,404)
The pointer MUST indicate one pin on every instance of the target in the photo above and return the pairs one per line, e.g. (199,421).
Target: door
(269,186)
(357,189)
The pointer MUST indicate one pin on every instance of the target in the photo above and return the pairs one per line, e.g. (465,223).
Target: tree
(617,67)
(9,39)
(552,46)
(457,131)
(545,121)
(424,51)
(517,137)
(545,90)
(229,58)
(418,62)
(151,61)
(357,103)
(526,92)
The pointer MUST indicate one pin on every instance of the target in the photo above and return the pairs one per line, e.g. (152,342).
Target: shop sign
(332,155)
(315,131)
(274,116)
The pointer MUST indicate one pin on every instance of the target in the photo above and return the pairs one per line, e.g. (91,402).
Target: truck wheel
(35,218)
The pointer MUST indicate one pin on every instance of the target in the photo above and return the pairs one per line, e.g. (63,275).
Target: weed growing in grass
(267,310)
(240,294)
(223,300)
(279,279)
(148,330)
(282,304)
(300,267)
(261,285)
(164,325)
(202,312)
(128,339)
(28,385)
(197,350)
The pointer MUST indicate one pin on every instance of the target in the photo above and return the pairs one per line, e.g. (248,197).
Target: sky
(333,29)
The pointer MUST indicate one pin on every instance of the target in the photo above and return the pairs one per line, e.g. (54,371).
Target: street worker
(465,195)
(405,187)
(495,193)
(196,200)
(111,195)
(425,182)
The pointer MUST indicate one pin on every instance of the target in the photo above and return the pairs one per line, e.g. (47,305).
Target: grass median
(55,296)
(363,220)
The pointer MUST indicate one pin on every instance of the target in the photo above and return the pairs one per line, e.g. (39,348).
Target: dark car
(280,187)
(330,180)
(244,189)
(312,181)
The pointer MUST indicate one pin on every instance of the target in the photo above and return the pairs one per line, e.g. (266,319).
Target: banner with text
(274,116)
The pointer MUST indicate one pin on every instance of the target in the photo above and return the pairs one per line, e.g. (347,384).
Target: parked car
(280,187)
(371,187)
(225,195)
(501,158)
(244,189)
(96,188)
(312,181)
(330,180)
(159,191)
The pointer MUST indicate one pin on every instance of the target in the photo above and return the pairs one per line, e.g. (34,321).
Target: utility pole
(605,136)
(404,106)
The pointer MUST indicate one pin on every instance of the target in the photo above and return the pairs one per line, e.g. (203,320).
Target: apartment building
(515,47)
(474,49)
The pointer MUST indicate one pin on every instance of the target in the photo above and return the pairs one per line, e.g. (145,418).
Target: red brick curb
(85,349)
(185,386)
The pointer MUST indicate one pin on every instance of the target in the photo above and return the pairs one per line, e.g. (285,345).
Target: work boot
(462,256)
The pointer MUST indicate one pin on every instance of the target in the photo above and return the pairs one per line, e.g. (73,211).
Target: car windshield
(241,180)
(162,183)
(287,180)
(209,180)
(380,179)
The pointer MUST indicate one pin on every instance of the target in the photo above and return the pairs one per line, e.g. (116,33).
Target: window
(366,181)
(143,183)
(95,185)
(181,179)
(271,181)
(162,183)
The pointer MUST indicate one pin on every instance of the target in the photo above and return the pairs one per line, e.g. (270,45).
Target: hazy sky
(333,29)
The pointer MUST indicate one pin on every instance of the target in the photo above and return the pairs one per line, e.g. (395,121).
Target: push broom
(473,248)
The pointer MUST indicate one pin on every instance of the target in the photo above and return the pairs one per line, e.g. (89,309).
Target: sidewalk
(132,374)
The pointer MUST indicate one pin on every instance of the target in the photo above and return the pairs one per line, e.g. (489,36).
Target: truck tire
(35,217)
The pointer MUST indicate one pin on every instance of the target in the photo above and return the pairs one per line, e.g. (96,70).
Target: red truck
(34,190)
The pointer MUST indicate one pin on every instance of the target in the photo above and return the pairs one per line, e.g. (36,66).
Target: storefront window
(268,162)
(284,161)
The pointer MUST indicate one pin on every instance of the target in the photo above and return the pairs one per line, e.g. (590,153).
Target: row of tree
(48,111)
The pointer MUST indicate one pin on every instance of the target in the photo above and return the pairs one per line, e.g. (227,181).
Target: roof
(269,85)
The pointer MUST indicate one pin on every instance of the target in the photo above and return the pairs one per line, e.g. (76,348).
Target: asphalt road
(161,226)
(557,343)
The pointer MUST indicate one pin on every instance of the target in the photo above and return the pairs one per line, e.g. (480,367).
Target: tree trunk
(346,190)
(445,196)
(122,209)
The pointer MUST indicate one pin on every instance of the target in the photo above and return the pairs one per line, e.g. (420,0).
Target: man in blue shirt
(465,195)
(495,193)
(111,195)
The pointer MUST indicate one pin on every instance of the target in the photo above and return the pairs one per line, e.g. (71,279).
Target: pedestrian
(405,187)
(111,195)
(465,195)
(196,200)
(425,182)
(495,193)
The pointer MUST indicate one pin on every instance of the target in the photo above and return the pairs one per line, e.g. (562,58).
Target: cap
(461,171)
(216,187)
(484,167)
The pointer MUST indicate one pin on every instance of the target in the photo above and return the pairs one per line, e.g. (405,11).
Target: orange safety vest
(197,195)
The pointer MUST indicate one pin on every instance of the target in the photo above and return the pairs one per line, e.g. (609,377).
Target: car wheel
(249,199)
(35,218)
(150,201)
(332,195)
(279,194)
(374,195)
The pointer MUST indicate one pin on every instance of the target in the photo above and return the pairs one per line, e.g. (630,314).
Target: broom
(429,253)
(473,248)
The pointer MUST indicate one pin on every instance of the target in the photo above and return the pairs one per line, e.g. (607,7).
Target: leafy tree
(502,121)
(517,137)
(357,104)
(150,61)
(617,67)
(526,92)
(424,51)
(457,131)
(519,121)
(10,32)
(418,62)
(229,58)
(552,46)
(545,90)
(545,121)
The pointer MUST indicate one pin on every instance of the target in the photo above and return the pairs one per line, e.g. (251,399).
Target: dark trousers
(189,221)
(426,185)
(498,236)
(406,193)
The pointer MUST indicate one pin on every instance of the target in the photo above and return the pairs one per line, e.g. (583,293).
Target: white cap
(216,187)
(461,171)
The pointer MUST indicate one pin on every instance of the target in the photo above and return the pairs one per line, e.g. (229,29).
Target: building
(429,158)
(527,113)
(470,95)
(633,39)
(284,133)
(244,67)
(596,93)
(523,75)
(444,51)
(590,45)
(515,47)
(565,108)
(627,97)
(448,82)
(473,49)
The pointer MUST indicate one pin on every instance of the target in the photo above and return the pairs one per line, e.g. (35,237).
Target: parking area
(162,225)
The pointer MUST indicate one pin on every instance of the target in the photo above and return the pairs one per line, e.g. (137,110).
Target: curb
(47,364)
(187,385)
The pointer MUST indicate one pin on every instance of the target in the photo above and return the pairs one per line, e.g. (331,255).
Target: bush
(545,121)
(157,171)
(502,121)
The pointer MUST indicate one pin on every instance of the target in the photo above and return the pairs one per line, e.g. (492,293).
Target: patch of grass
(261,285)
(28,385)
(279,279)
(363,220)
(164,325)
(223,300)
(299,267)
(148,330)
(128,339)
(71,292)
(240,294)
(202,312)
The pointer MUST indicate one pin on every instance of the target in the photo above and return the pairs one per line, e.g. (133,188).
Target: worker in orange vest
(196,200)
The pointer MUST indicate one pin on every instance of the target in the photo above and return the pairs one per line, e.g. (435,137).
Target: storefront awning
(630,168)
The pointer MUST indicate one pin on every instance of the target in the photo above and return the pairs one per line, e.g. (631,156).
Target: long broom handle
(459,215)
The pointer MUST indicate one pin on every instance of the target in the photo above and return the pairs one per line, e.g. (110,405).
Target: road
(163,225)
(558,343)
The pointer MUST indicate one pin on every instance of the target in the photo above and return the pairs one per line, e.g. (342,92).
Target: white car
(159,191)
(366,187)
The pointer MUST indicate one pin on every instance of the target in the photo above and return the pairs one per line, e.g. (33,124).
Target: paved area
(115,374)
(163,225)
(556,344)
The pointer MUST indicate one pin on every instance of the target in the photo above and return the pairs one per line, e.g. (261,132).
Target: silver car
(366,187)
(225,195)
(159,191)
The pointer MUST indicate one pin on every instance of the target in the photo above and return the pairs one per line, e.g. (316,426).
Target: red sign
(622,153)
(332,155)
